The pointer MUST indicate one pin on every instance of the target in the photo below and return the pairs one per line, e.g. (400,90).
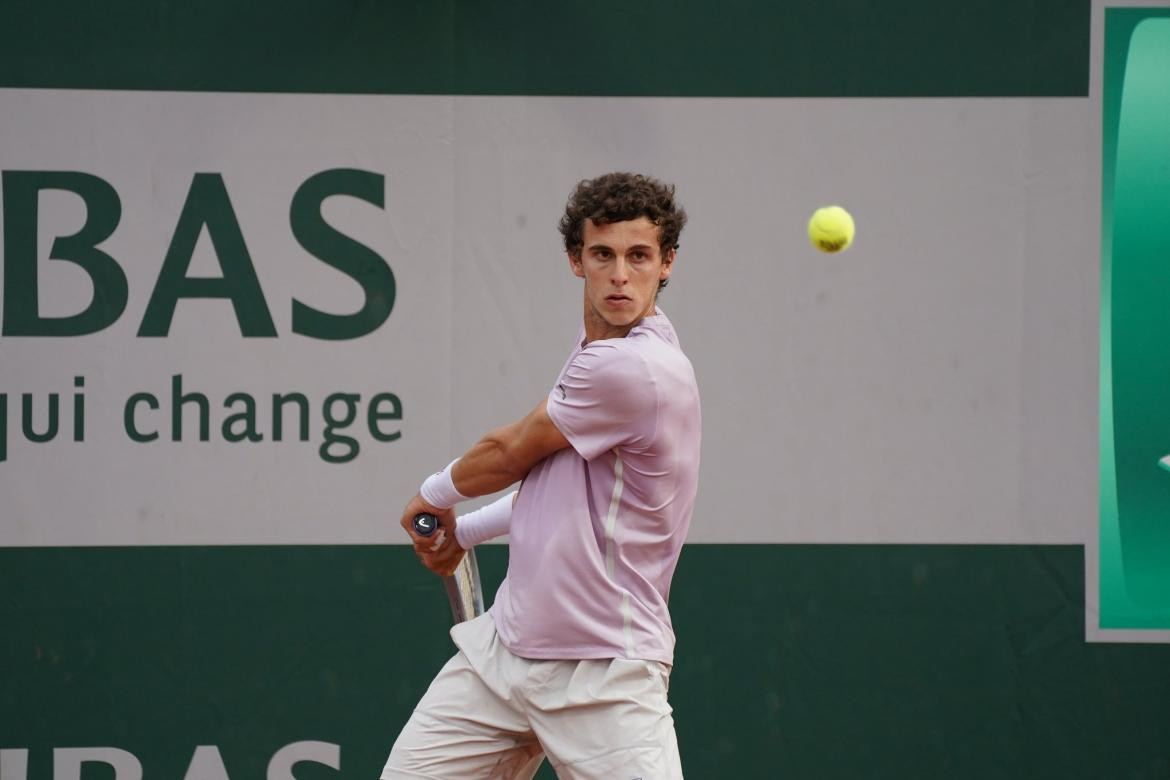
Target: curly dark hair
(616,197)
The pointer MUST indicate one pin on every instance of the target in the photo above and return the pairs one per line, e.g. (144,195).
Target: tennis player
(573,659)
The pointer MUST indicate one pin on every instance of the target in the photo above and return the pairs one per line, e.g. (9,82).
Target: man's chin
(618,318)
(622,321)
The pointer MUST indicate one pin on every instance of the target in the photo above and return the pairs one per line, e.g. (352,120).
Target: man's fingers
(429,563)
(442,563)
(432,544)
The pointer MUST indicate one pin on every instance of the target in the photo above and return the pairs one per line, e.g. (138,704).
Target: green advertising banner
(1135,290)
(825,661)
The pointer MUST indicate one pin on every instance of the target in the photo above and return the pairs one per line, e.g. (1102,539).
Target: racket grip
(425,524)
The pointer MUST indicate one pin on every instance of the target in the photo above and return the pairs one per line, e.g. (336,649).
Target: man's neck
(596,328)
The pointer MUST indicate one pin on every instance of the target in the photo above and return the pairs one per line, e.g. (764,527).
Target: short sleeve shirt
(597,528)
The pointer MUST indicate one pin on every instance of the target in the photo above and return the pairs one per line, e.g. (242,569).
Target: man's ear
(575,263)
(667,264)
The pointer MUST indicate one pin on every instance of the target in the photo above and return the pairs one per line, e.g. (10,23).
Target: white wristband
(485,523)
(439,491)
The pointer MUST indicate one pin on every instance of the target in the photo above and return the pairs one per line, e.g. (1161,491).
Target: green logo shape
(1135,321)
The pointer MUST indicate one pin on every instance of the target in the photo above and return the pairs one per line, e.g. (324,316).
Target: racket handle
(425,524)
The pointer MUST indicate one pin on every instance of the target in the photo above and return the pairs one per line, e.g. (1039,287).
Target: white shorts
(490,714)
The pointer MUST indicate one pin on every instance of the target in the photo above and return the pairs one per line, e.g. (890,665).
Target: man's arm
(499,459)
(504,456)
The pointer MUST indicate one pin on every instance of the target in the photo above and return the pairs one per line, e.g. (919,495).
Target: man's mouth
(617,298)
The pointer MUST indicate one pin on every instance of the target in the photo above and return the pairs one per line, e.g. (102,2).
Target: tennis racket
(463,588)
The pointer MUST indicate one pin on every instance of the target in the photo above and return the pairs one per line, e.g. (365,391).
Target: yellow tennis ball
(830,229)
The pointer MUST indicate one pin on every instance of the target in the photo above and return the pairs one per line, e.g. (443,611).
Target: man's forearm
(487,522)
(490,465)
(503,456)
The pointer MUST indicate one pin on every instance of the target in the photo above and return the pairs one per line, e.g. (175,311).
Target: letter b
(22,191)
(67,762)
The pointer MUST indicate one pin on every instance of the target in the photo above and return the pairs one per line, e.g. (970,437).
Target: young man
(573,658)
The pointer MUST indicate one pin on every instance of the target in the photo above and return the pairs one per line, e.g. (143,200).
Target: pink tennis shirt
(597,528)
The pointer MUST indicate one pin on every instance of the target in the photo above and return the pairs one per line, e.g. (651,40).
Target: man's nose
(621,272)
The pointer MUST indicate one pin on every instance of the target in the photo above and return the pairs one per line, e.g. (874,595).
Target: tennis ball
(830,229)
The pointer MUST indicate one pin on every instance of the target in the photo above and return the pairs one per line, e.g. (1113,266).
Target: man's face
(621,264)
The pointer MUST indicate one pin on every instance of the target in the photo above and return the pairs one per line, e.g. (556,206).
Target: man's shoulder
(645,353)
(615,360)
(658,347)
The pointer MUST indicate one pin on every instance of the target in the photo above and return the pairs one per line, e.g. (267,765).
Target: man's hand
(502,457)
(440,552)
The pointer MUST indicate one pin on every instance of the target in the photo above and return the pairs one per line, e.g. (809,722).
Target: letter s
(283,760)
(354,259)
